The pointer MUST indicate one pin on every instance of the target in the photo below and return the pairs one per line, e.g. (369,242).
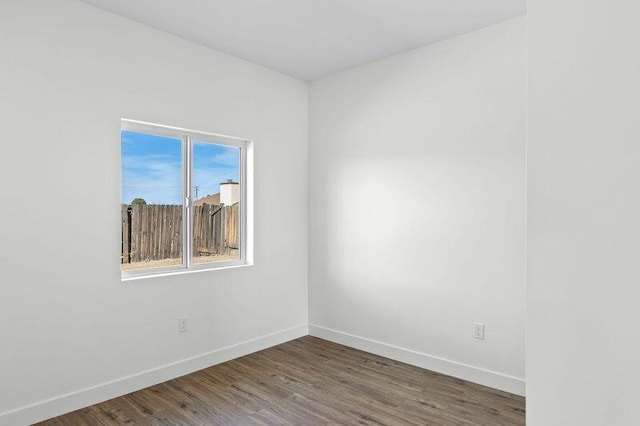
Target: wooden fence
(154,232)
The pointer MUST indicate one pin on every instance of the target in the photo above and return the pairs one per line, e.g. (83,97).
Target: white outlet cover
(183,325)
(478,330)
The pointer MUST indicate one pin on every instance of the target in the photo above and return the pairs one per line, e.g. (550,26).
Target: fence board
(154,232)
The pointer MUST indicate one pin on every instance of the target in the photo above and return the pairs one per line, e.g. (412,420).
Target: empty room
(319,212)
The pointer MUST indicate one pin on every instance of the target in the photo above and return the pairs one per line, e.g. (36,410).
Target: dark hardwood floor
(308,381)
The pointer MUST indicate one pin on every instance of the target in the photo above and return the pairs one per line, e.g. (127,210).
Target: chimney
(229,192)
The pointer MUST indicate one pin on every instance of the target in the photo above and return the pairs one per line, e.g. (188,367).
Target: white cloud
(156,178)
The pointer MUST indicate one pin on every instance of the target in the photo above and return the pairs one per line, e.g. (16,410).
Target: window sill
(133,277)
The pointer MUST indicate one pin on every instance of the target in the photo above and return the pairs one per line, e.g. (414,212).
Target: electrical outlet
(182,324)
(478,330)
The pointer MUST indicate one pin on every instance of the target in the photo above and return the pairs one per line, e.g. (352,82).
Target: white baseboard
(467,372)
(61,404)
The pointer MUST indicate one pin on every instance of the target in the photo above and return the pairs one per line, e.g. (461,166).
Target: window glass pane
(216,209)
(152,201)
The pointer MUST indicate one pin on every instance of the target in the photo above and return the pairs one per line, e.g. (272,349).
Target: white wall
(417,209)
(69,73)
(583,213)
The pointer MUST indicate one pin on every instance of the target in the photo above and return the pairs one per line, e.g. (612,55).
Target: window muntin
(190,190)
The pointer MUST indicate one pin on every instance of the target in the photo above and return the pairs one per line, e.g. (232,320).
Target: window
(184,200)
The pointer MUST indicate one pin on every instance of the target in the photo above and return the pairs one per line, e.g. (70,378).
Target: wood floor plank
(308,381)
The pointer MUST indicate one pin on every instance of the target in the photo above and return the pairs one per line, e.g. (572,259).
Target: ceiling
(310,39)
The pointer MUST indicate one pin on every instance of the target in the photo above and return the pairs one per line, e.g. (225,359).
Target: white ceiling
(311,39)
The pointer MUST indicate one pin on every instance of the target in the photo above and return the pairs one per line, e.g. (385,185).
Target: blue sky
(152,168)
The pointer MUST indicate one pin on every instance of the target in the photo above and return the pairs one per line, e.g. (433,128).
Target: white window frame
(188,138)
